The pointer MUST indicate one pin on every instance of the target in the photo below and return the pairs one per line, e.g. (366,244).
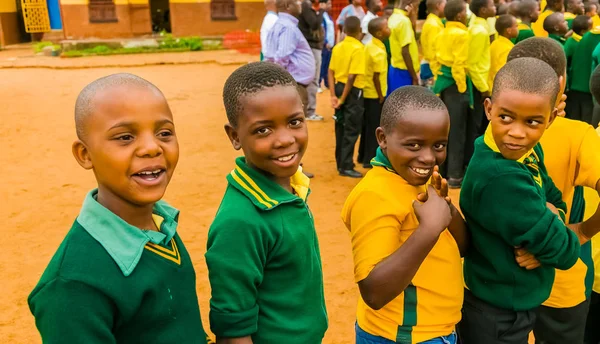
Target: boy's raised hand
(439,184)
(434,214)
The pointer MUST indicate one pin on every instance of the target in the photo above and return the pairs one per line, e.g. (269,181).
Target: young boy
(346,83)
(571,160)
(455,89)
(573,8)
(509,201)
(528,12)
(556,27)
(506,25)
(407,254)
(581,25)
(431,29)
(375,88)
(551,7)
(405,64)
(478,65)
(591,10)
(374,7)
(579,99)
(263,254)
(122,273)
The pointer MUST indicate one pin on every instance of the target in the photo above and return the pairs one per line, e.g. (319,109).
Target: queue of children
(524,239)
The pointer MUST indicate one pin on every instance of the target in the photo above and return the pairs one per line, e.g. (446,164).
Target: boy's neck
(137,216)
(526,21)
(509,38)
(355,36)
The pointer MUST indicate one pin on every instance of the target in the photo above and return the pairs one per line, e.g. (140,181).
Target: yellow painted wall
(7,6)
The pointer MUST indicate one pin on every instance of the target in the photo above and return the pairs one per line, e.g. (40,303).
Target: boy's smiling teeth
(286,158)
(150,172)
(422,171)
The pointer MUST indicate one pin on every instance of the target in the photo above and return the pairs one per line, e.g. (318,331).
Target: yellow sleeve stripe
(254,186)
(250,190)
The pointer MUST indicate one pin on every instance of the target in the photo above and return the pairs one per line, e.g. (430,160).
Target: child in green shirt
(556,26)
(509,201)
(263,257)
(122,274)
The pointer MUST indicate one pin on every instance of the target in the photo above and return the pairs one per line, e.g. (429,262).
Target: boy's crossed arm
(390,276)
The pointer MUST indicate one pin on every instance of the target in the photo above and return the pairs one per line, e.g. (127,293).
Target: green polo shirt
(264,263)
(504,204)
(570,47)
(525,32)
(561,40)
(581,67)
(110,282)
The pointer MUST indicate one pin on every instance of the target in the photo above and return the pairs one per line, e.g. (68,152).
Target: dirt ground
(43,187)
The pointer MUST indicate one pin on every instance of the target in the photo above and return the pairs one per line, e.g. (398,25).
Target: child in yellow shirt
(591,10)
(407,254)
(551,7)
(506,25)
(431,29)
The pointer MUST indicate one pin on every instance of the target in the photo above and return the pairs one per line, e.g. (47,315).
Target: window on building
(222,10)
(102,11)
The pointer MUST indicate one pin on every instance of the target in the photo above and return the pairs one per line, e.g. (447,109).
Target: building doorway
(160,14)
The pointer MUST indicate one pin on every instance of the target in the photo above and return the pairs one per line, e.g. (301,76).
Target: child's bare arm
(334,98)
(377,84)
(391,276)
(243,340)
(347,88)
(587,229)
(409,64)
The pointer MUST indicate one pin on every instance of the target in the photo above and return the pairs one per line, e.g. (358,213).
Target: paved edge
(122,65)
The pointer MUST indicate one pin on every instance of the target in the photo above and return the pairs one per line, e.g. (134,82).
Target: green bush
(39,46)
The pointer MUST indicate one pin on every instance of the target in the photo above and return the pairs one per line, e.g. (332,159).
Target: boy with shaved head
(122,273)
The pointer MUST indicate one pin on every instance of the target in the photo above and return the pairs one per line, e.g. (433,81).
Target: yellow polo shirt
(376,62)
(591,204)
(402,34)
(595,21)
(571,158)
(380,217)
(348,57)
(452,50)
(431,29)
(538,26)
(499,50)
(478,65)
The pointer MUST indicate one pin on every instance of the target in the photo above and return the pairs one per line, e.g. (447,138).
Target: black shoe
(454,183)
(350,173)
(308,174)
(367,166)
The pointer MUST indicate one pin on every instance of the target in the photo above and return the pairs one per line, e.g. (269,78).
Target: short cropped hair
(504,22)
(375,25)
(406,99)
(501,9)
(526,7)
(477,5)
(588,6)
(595,84)
(352,25)
(552,20)
(431,4)
(528,75)
(552,4)
(453,8)
(581,24)
(84,106)
(251,79)
(541,48)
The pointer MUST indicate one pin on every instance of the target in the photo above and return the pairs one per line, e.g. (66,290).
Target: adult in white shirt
(373,6)
(267,24)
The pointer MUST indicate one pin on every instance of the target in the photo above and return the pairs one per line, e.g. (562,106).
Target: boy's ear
(381,138)
(82,154)
(487,106)
(553,115)
(233,136)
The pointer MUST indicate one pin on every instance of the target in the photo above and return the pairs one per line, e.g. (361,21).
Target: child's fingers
(444,188)
(422,197)
(519,251)
(448,200)
(533,266)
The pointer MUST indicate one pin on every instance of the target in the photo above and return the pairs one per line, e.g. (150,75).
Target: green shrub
(39,46)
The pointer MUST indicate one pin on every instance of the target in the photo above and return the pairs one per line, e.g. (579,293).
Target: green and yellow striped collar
(380,160)
(488,138)
(263,192)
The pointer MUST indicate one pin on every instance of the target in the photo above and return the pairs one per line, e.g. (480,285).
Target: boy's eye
(296,122)
(533,122)
(505,119)
(413,146)
(439,146)
(262,131)
(125,137)
(165,133)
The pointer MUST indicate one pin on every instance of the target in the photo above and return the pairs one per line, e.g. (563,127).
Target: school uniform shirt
(504,204)
(538,26)
(110,282)
(595,21)
(560,39)
(499,50)
(569,19)
(287,46)
(348,57)
(452,50)
(380,217)
(525,32)
(402,34)
(591,201)
(364,24)
(478,65)
(570,46)
(348,11)
(431,29)
(572,159)
(268,22)
(264,263)
(581,67)
(375,62)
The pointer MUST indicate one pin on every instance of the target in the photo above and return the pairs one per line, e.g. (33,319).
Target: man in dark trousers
(309,23)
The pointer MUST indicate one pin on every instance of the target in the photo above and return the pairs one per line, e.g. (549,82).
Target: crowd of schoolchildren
(516,258)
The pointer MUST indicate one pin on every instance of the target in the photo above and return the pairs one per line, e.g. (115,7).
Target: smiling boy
(505,200)
(122,274)
(406,263)
(263,254)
